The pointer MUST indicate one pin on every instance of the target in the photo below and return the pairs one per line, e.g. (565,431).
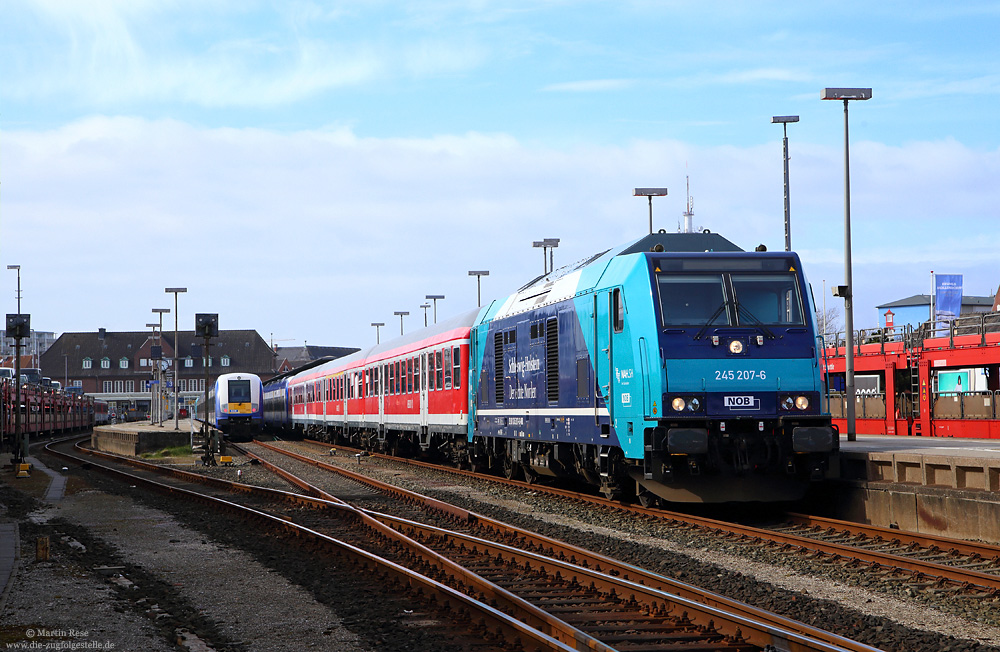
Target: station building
(916,310)
(118,367)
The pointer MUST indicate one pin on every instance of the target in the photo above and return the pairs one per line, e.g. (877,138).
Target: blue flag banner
(947,297)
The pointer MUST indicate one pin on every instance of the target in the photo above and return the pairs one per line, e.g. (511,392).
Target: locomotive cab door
(604,376)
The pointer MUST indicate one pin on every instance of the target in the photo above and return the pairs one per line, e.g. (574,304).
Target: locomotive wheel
(510,468)
(647,499)
(529,476)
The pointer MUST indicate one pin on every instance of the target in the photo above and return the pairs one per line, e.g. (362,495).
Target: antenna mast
(689,213)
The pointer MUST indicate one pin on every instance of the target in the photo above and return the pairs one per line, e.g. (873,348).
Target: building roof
(301,355)
(925,300)
(246,349)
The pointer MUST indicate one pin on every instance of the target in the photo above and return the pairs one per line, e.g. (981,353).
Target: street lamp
(847,291)
(650,193)
(177,406)
(434,298)
(17,370)
(401,315)
(783,120)
(479,275)
(425,306)
(377,325)
(159,368)
(544,247)
(152,371)
(551,243)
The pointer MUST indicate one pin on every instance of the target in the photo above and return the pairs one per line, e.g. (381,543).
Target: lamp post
(17,373)
(425,306)
(650,193)
(434,298)
(401,314)
(177,405)
(479,275)
(848,94)
(783,120)
(552,243)
(545,258)
(377,325)
(152,371)
(159,369)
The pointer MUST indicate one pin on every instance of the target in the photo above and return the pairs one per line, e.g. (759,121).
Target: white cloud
(314,234)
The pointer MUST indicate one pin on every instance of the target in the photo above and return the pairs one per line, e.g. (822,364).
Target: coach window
(440,370)
(430,372)
(447,367)
(400,382)
(456,359)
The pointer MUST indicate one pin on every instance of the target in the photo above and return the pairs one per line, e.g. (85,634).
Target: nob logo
(741,402)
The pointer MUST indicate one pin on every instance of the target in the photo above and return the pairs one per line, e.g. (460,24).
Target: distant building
(33,346)
(118,366)
(916,310)
(292,357)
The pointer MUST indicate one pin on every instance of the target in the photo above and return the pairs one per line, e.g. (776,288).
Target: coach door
(423,390)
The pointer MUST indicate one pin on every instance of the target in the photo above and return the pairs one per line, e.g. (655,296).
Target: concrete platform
(137,437)
(949,487)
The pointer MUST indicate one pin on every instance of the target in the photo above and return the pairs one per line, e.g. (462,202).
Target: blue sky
(306,168)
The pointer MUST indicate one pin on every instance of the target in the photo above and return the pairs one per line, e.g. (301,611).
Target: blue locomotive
(237,405)
(678,367)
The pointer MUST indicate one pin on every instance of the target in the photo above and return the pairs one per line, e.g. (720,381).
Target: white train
(237,405)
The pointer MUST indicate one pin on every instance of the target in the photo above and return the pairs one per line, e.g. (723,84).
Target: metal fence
(946,405)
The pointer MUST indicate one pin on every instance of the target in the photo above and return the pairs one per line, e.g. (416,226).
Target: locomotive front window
(693,299)
(239,391)
(768,299)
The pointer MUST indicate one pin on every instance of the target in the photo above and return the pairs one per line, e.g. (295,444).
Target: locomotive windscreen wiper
(711,320)
(753,319)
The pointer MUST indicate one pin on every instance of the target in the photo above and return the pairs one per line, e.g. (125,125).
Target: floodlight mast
(847,94)
(650,193)
(783,120)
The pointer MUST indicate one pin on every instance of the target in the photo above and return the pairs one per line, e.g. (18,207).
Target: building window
(87,363)
(119,387)
(182,385)
(76,383)
(143,386)
(225,361)
(188,362)
(105,363)
(123,363)
(143,362)
(129,386)
(107,386)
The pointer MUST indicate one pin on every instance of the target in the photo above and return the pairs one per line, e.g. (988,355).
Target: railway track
(924,562)
(574,603)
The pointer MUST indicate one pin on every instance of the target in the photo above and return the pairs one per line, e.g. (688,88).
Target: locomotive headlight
(802,402)
(786,403)
(678,404)
(736,347)
(694,405)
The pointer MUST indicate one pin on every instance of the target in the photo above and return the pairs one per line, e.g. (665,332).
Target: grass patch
(175,451)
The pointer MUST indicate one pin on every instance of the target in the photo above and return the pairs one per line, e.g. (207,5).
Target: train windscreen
(730,299)
(239,391)
(693,299)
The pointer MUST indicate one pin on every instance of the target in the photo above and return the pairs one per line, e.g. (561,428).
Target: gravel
(856,604)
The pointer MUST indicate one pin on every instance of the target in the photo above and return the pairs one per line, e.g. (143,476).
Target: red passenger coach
(413,389)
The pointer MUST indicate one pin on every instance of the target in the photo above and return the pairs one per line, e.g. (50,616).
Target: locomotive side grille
(498,367)
(552,360)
